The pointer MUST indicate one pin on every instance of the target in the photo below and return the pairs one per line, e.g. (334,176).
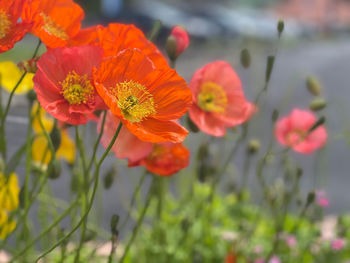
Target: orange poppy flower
(161,159)
(117,37)
(165,159)
(146,99)
(11,31)
(218,99)
(54,21)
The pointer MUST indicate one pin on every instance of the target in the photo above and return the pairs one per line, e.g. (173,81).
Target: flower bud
(313,85)
(280,27)
(245,58)
(108,178)
(55,136)
(54,169)
(318,123)
(29,65)
(310,198)
(274,115)
(177,42)
(191,126)
(114,224)
(317,104)
(31,96)
(253,146)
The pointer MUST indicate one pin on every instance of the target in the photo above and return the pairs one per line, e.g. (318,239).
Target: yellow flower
(40,151)
(42,154)
(9,76)
(9,192)
(6,225)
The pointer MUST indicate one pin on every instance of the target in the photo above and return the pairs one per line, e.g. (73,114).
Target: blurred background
(316,42)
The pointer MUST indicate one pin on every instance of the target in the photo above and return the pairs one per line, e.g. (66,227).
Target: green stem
(138,224)
(97,141)
(4,115)
(45,232)
(96,176)
(221,172)
(133,198)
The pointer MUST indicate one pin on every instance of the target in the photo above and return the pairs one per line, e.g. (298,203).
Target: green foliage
(192,230)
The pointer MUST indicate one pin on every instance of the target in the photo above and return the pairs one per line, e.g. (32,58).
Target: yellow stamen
(52,28)
(212,98)
(134,101)
(77,89)
(5,24)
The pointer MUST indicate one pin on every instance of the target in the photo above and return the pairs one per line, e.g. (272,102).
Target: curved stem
(98,140)
(138,224)
(96,176)
(47,230)
(137,190)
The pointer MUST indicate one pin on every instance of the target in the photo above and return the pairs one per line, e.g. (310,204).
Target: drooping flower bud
(317,104)
(313,85)
(177,42)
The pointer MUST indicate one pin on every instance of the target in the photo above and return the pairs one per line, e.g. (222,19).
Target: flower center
(212,98)
(5,24)
(52,28)
(295,137)
(77,89)
(134,101)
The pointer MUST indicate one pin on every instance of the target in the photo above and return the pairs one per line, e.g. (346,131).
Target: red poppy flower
(117,37)
(146,99)
(63,83)
(11,31)
(127,145)
(293,131)
(218,99)
(54,21)
(165,159)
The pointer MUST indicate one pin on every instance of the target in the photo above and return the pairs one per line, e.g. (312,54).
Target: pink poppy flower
(293,131)
(63,83)
(321,198)
(218,99)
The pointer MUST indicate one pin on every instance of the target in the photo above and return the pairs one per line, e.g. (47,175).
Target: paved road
(328,60)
